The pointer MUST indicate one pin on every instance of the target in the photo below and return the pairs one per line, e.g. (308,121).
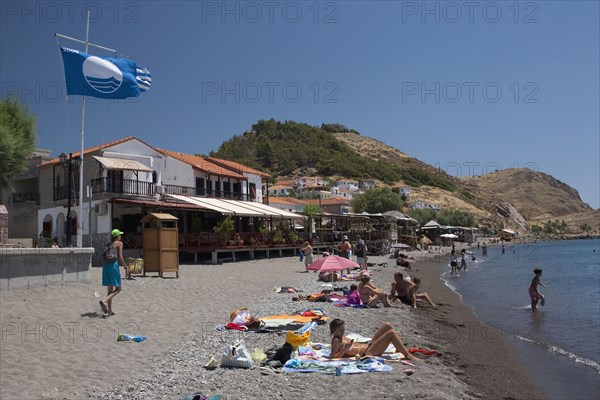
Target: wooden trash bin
(160,243)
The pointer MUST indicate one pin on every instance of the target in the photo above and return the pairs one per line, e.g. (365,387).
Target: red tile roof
(328,201)
(285,200)
(201,164)
(93,149)
(237,167)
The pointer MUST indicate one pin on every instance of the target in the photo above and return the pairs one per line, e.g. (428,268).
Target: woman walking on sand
(111,276)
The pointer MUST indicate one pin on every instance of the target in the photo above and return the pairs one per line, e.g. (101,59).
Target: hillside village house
(280,190)
(404,191)
(367,184)
(422,205)
(345,193)
(309,180)
(288,204)
(312,191)
(347,184)
(334,205)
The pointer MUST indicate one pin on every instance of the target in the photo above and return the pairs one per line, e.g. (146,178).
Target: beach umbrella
(332,263)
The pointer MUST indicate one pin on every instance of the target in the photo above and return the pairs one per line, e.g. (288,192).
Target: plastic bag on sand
(237,356)
(258,355)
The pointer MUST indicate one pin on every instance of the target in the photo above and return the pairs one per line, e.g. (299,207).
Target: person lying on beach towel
(354,276)
(342,346)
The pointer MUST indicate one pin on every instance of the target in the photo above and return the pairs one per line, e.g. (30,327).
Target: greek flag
(103,77)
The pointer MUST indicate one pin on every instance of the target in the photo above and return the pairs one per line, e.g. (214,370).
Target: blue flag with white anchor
(103,77)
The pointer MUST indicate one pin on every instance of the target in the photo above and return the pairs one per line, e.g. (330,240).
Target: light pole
(68,164)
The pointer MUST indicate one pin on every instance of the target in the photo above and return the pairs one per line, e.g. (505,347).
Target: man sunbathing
(370,294)
(407,291)
(342,346)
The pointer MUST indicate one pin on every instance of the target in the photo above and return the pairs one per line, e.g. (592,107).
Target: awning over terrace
(122,164)
(235,207)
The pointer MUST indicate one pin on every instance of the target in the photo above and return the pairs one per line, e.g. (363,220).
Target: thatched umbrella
(424,240)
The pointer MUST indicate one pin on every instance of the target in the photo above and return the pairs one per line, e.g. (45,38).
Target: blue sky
(467,86)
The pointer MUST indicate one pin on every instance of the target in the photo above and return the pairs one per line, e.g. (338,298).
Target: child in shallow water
(534,293)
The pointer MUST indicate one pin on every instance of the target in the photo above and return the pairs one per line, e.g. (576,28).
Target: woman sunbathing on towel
(342,346)
(370,294)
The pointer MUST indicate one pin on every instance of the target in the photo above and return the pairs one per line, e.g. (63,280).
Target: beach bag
(110,254)
(237,356)
(297,339)
(284,353)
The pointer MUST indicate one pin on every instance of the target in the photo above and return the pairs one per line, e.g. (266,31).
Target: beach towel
(370,364)
(413,350)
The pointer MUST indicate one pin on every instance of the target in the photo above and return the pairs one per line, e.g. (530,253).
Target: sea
(559,343)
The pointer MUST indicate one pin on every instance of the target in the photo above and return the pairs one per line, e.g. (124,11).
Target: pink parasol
(332,263)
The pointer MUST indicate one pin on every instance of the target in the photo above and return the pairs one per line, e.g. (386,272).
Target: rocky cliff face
(511,216)
(532,193)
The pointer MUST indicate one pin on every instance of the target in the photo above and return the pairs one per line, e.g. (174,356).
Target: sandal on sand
(104,307)
(269,371)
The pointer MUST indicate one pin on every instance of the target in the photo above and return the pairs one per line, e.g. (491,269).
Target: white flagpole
(80,216)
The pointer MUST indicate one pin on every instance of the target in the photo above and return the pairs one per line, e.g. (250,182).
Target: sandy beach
(55,343)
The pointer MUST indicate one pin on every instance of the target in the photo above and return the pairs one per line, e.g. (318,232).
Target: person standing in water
(534,293)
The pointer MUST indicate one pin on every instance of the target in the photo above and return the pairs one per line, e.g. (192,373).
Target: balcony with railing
(26,197)
(123,186)
(131,187)
(219,194)
(62,193)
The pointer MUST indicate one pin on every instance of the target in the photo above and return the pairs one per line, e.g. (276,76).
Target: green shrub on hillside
(378,200)
(281,148)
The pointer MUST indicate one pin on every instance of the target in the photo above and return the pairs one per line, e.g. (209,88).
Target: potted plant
(224,228)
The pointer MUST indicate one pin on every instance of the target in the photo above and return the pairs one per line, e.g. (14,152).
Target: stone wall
(28,268)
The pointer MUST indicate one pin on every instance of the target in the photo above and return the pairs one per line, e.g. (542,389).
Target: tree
(378,200)
(585,228)
(17,139)
(536,229)
(311,211)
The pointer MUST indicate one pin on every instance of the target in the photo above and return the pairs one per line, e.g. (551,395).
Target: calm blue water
(560,342)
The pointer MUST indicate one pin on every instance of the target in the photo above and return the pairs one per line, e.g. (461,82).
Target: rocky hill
(533,193)
(510,198)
